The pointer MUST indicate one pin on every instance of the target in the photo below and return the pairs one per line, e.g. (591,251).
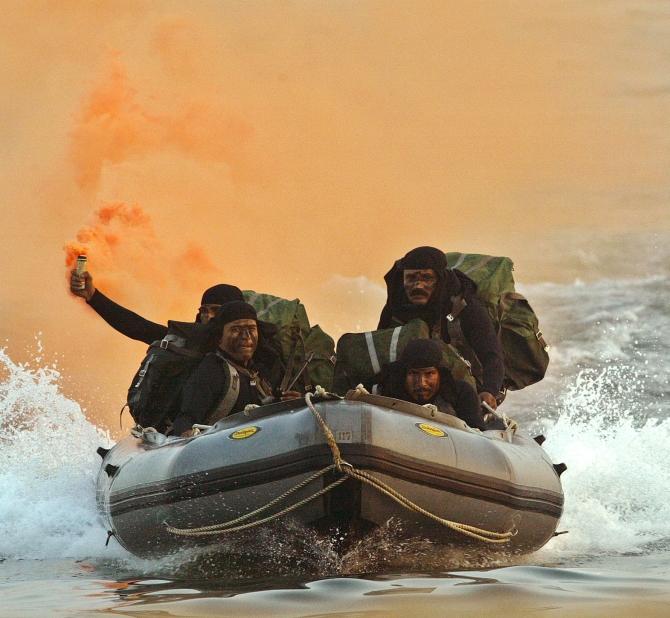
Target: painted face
(422,384)
(419,284)
(207,312)
(239,340)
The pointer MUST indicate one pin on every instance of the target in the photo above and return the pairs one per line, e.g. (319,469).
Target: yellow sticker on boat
(246,432)
(431,430)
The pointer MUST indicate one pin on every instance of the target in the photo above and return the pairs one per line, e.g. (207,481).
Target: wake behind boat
(357,461)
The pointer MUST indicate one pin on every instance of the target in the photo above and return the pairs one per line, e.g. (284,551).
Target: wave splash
(614,440)
(47,468)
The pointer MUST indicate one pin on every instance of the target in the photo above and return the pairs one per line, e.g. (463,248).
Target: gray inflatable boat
(441,479)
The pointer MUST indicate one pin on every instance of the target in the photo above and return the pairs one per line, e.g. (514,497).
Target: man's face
(239,340)
(422,384)
(419,284)
(207,312)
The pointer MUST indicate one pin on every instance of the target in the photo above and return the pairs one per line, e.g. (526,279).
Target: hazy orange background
(298,148)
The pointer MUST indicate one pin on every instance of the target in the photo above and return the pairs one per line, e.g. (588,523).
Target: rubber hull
(493,480)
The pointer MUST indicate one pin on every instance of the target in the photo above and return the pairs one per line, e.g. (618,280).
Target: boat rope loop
(348,471)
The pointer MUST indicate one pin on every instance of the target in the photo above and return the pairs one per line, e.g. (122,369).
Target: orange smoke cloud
(125,252)
(114,126)
(193,259)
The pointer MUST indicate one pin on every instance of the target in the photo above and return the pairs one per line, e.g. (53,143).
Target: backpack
(524,347)
(307,352)
(154,395)
(361,356)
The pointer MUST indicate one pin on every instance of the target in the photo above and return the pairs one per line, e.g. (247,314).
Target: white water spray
(48,465)
(617,486)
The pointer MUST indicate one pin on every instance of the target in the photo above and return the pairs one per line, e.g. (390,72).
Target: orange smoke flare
(72,250)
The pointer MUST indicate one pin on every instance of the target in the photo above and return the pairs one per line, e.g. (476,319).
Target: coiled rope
(348,471)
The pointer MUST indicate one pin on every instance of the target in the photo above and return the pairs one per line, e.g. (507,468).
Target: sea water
(603,407)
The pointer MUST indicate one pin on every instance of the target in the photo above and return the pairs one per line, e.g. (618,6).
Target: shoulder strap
(230,396)
(175,344)
(458,303)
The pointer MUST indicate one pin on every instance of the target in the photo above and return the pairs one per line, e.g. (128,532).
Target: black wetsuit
(205,389)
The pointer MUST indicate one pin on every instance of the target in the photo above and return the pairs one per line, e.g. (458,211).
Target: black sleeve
(467,405)
(202,391)
(126,322)
(479,333)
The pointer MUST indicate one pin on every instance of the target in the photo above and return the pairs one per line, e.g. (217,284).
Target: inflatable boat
(360,460)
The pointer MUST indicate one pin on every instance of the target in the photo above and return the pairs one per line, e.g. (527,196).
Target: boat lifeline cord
(349,471)
(229,526)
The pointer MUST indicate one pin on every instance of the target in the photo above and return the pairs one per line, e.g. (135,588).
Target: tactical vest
(231,389)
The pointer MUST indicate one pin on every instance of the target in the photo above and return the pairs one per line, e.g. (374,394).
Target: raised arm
(119,318)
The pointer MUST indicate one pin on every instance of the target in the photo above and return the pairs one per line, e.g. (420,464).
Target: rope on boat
(348,471)
(230,526)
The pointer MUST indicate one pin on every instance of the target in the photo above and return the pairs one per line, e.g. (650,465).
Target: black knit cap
(234,310)
(421,353)
(221,294)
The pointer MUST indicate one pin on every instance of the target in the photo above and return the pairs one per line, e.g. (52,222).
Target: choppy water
(604,408)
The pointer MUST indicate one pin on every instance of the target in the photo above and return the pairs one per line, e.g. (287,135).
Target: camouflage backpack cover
(306,351)
(360,356)
(524,347)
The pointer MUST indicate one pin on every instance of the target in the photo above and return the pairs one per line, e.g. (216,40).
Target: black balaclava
(449,283)
(397,303)
(418,354)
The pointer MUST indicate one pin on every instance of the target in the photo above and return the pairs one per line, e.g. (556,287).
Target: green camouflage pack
(321,348)
(296,340)
(524,348)
(361,356)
